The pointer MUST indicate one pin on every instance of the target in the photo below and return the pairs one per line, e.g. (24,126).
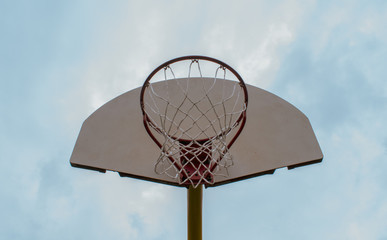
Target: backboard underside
(276,135)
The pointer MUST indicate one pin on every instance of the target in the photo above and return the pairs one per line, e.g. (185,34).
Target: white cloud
(261,64)
(137,209)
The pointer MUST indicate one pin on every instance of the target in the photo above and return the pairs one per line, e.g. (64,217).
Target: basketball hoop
(194,108)
(193,125)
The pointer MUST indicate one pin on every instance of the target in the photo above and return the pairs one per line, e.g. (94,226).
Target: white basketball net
(193,119)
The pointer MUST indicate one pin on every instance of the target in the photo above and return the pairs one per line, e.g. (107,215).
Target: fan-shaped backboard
(276,135)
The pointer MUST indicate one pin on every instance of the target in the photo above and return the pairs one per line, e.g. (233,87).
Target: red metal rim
(242,118)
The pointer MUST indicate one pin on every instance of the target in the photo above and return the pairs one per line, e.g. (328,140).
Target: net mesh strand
(194,121)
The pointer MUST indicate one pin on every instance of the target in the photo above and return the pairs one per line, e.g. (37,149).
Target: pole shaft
(194,212)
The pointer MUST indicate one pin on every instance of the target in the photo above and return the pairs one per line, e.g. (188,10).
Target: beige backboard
(276,135)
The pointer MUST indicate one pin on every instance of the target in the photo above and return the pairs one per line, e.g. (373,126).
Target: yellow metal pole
(194,212)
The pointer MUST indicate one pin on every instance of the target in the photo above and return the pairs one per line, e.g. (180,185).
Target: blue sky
(61,60)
